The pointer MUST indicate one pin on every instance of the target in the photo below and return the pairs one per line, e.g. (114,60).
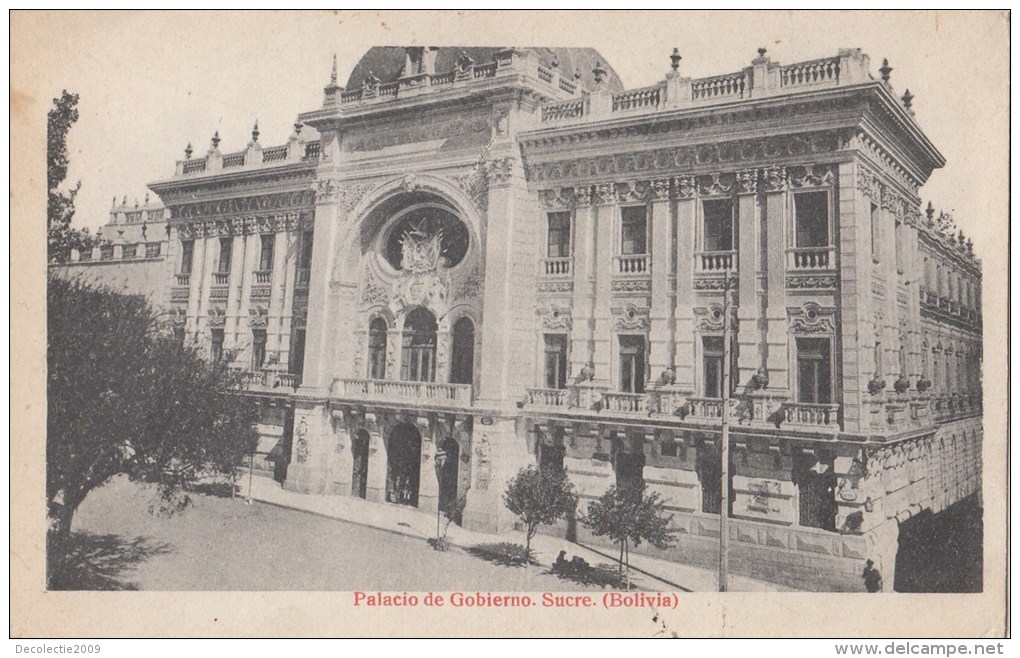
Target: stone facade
(514,264)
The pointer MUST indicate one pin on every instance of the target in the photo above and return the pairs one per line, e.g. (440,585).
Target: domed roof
(387,62)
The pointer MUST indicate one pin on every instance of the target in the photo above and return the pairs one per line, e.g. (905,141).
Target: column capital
(605,193)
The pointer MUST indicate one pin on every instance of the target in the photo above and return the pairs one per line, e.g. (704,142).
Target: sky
(150,82)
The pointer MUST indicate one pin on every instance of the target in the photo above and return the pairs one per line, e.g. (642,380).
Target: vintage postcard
(677,324)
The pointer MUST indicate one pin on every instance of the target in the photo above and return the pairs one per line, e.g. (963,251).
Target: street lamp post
(440,464)
(724,452)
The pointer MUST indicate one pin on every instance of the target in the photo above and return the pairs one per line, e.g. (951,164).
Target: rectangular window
(258,348)
(718,225)
(187,255)
(814,371)
(226,250)
(152,250)
(632,364)
(874,232)
(216,346)
(811,210)
(712,357)
(900,243)
(266,253)
(634,222)
(297,353)
(106,252)
(555,361)
(306,250)
(129,251)
(559,235)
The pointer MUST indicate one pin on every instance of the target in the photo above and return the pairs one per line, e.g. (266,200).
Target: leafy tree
(626,515)
(60,202)
(124,397)
(539,498)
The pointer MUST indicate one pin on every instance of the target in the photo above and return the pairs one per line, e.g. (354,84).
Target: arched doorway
(462,366)
(448,475)
(419,358)
(359,479)
(403,465)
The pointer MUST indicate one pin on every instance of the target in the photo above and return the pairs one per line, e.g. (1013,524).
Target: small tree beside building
(626,515)
(539,498)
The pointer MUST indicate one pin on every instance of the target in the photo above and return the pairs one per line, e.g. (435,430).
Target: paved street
(224,544)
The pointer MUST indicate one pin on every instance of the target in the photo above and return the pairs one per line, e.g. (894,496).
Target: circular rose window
(426,238)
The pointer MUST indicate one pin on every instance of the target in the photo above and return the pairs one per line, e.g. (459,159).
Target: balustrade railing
(637,99)
(421,392)
(221,278)
(263,276)
(809,73)
(633,264)
(233,160)
(571,109)
(312,150)
(705,408)
(557,266)
(183,279)
(716,261)
(810,258)
(268,380)
(194,166)
(627,403)
(274,154)
(720,86)
(819,415)
(441,79)
(548,397)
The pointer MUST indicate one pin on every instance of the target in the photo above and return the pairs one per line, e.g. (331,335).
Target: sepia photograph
(657,317)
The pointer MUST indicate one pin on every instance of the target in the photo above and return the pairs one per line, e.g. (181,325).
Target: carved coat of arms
(420,259)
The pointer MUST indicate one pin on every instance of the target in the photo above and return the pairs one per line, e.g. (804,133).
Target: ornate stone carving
(352,194)
(260,292)
(811,281)
(217,316)
(559,198)
(409,183)
(300,310)
(660,189)
(178,316)
(869,184)
(747,181)
(686,187)
(774,178)
(632,191)
(582,195)
(327,190)
(715,184)
(630,318)
(631,285)
(605,193)
(476,184)
(554,317)
(812,176)
(709,319)
(469,287)
(500,170)
(258,317)
(258,183)
(812,319)
(714,282)
(372,292)
(553,287)
(247,205)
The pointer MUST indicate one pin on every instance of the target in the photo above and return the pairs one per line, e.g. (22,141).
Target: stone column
(375,489)
(774,180)
(278,291)
(249,262)
(663,287)
(605,251)
(683,314)
(749,264)
(428,483)
(582,332)
(319,329)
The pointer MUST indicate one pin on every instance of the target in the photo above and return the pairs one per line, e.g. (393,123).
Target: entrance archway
(448,478)
(462,366)
(359,479)
(419,358)
(403,465)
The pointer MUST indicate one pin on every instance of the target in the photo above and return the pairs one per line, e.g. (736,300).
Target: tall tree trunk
(626,547)
(621,556)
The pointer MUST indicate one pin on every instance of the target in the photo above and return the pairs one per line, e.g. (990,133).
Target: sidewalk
(647,572)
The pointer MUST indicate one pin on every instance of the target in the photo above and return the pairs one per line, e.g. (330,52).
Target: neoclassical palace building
(471,260)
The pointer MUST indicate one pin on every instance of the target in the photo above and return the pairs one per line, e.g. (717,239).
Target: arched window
(377,349)
(419,353)
(462,357)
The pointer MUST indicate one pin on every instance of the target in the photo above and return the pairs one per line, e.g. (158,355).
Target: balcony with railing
(220,278)
(810,259)
(715,262)
(598,400)
(263,276)
(556,266)
(417,393)
(268,381)
(763,78)
(183,279)
(634,264)
(811,416)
